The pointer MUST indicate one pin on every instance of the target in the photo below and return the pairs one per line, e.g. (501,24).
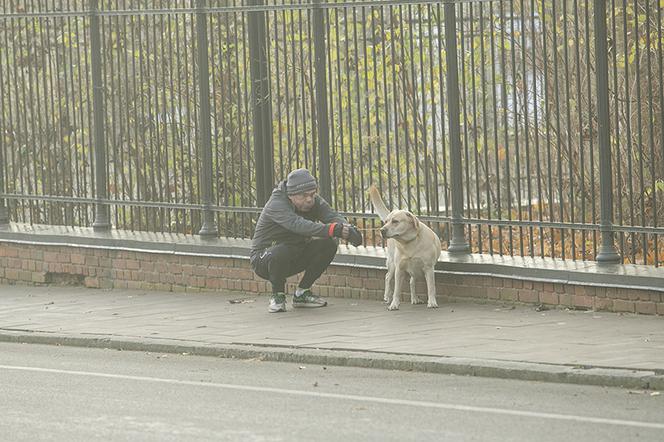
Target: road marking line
(423,404)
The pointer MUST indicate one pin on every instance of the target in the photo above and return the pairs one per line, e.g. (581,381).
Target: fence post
(208,227)
(102,220)
(458,242)
(320,56)
(261,103)
(4,213)
(607,250)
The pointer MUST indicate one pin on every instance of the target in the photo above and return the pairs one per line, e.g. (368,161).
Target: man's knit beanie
(299,181)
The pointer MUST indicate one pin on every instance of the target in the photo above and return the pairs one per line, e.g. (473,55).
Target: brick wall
(108,268)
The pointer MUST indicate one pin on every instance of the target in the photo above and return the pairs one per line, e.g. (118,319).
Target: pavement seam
(530,371)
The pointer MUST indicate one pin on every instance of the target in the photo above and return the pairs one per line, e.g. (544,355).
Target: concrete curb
(518,370)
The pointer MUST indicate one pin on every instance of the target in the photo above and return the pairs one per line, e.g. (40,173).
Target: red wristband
(330,231)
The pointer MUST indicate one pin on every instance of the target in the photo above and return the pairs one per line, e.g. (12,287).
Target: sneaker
(277,303)
(308,299)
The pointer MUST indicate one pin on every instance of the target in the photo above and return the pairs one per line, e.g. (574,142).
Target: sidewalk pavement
(492,340)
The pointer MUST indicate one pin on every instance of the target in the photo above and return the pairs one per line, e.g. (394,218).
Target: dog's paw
(432,305)
(416,300)
(393,306)
(386,300)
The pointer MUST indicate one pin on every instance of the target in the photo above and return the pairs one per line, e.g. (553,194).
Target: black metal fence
(516,127)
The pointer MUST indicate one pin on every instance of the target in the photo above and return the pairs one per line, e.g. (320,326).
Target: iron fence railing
(521,127)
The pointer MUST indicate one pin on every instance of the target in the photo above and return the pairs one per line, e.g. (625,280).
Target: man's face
(304,201)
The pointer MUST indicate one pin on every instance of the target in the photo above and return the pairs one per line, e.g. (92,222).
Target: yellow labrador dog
(412,248)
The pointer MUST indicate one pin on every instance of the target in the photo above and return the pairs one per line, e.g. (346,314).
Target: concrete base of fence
(171,262)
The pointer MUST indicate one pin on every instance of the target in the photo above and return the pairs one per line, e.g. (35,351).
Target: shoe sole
(309,305)
(279,310)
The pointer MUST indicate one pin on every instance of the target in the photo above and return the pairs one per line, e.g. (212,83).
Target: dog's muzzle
(383,233)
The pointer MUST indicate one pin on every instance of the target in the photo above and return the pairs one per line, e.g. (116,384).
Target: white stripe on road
(423,404)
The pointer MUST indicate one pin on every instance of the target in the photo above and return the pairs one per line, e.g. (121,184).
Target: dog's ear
(414,220)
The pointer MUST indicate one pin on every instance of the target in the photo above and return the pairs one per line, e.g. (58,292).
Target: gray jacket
(280,223)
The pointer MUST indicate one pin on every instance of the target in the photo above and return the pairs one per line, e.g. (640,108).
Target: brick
(643,295)
(200,270)
(133,264)
(602,304)
(600,292)
(161,267)
(10,252)
(134,285)
(564,299)
(240,273)
(77,258)
(632,295)
(39,277)
(161,287)
(91,282)
(146,266)
(151,277)
(582,301)
(612,293)
(212,283)
(471,292)
(168,278)
(55,267)
(491,292)
(120,285)
(250,286)
(621,305)
(584,290)
(51,257)
(119,264)
(648,308)
(355,282)
(660,308)
(374,284)
(509,294)
(526,295)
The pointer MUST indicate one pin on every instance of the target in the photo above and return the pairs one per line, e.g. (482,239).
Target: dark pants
(281,261)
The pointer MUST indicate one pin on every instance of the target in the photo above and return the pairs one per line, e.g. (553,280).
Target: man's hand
(354,235)
(348,232)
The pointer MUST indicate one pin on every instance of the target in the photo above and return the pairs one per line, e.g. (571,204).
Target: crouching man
(296,231)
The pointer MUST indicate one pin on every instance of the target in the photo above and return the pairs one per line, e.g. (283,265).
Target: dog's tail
(377,202)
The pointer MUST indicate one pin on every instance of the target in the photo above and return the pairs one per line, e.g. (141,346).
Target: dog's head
(400,225)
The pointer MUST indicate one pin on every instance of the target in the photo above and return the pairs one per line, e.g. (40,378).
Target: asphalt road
(75,394)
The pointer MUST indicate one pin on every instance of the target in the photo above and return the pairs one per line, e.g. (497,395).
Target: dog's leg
(396,296)
(389,283)
(431,288)
(414,299)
